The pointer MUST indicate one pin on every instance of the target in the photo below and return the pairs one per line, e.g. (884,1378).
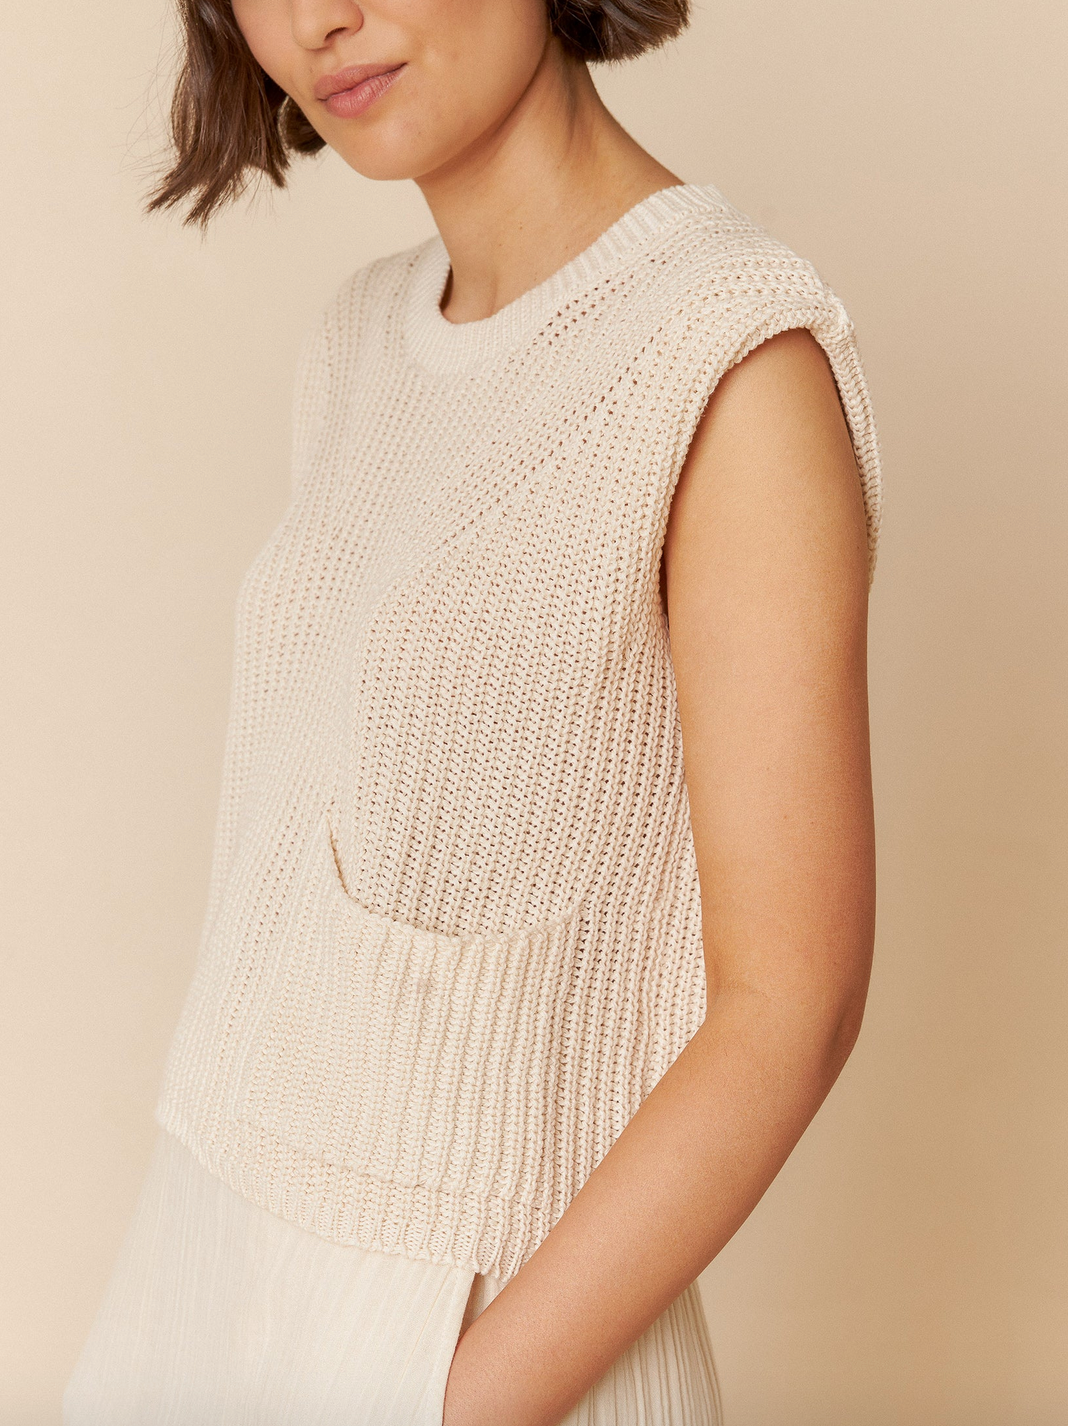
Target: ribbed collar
(446,347)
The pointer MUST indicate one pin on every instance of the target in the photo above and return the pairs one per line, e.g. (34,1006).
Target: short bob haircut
(231,123)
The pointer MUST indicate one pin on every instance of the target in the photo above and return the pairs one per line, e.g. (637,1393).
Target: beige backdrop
(910,1265)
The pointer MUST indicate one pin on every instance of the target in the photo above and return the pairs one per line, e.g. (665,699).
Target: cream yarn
(454,931)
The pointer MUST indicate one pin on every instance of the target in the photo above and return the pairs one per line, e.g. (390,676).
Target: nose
(317,23)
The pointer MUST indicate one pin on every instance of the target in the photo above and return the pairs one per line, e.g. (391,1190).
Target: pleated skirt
(219,1313)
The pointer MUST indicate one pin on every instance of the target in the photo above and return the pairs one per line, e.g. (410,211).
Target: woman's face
(418,82)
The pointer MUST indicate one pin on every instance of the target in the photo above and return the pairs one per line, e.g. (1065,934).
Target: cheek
(478,59)
(495,44)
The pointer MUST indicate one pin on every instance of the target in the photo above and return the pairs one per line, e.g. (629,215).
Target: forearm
(682,1177)
(765,564)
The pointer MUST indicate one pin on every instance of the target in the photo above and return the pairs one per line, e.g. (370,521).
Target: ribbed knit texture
(454,932)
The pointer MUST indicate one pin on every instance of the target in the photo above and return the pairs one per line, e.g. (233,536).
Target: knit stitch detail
(454,936)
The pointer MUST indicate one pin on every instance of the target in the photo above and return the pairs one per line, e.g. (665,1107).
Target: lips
(352,90)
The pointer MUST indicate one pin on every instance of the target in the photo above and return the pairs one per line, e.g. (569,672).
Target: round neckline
(446,347)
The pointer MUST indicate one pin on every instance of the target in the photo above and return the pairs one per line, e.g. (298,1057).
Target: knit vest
(454,929)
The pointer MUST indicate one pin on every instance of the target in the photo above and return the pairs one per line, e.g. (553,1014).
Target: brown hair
(230,122)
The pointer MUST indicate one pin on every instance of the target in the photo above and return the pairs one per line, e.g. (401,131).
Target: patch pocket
(413,1057)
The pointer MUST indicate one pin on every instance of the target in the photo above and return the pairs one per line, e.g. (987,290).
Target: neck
(536,191)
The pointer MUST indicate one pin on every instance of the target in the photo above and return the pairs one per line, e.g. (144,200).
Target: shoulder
(378,283)
(731,287)
(371,292)
(328,352)
(725,273)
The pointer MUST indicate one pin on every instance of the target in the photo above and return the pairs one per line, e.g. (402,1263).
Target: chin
(385,167)
(388,156)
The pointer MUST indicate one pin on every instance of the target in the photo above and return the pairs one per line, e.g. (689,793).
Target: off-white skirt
(219,1313)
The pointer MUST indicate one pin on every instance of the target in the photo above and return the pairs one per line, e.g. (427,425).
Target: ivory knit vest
(454,932)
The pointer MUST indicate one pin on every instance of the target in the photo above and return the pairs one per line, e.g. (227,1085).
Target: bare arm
(766,585)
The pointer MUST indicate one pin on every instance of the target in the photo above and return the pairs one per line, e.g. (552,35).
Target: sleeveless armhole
(829,323)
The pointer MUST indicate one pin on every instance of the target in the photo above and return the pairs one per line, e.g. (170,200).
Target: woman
(504,1019)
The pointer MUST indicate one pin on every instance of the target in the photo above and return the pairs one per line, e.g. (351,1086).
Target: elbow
(844,1030)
